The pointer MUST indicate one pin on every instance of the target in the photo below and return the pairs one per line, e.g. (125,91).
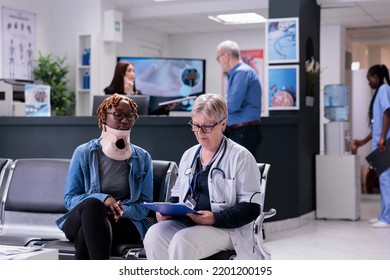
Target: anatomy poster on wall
(18,44)
(255,59)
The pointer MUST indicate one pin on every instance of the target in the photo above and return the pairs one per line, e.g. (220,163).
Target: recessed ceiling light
(242,18)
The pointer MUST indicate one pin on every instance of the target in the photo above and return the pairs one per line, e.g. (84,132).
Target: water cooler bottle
(338,130)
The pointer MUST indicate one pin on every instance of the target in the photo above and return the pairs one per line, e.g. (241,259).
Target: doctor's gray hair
(210,105)
(229,47)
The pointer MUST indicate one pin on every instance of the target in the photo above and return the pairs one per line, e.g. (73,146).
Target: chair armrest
(135,253)
(258,233)
(270,213)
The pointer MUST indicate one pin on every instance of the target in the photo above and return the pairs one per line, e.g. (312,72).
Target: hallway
(334,239)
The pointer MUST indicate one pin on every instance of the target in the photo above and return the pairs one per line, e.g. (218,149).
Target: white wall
(360,101)
(332,58)
(59,22)
(57,25)
(204,46)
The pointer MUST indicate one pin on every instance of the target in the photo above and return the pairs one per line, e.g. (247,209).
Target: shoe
(373,220)
(381,224)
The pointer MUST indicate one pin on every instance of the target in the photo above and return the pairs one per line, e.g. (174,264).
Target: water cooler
(338,130)
(337,172)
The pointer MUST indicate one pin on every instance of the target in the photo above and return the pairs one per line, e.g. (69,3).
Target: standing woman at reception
(123,81)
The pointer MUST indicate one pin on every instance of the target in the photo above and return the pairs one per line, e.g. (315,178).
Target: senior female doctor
(220,179)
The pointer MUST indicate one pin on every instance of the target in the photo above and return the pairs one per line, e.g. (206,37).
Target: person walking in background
(123,81)
(379,115)
(243,97)
(107,181)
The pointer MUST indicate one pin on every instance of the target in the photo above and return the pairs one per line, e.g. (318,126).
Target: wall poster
(282,39)
(18,44)
(255,59)
(37,100)
(283,87)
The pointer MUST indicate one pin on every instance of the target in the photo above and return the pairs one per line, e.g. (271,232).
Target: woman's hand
(161,217)
(354,146)
(114,207)
(381,144)
(205,218)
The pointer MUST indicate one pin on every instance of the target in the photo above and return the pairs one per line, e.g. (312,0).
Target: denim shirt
(243,94)
(83,182)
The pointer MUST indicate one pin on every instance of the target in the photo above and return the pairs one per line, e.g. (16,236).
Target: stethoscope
(188,171)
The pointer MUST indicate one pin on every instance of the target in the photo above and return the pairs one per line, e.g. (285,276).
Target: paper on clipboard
(14,250)
(380,161)
(169,209)
(176,100)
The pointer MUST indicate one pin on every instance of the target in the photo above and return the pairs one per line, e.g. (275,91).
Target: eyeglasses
(119,116)
(204,128)
(218,57)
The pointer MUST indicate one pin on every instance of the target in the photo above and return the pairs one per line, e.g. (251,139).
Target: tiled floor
(334,239)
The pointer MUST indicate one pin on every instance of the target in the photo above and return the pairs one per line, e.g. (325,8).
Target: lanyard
(216,153)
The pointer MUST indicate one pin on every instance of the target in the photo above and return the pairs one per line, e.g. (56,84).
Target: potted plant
(51,70)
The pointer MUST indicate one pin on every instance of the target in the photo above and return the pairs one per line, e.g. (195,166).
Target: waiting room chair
(5,164)
(164,176)
(258,232)
(33,199)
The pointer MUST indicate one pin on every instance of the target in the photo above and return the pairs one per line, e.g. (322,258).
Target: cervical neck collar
(115,143)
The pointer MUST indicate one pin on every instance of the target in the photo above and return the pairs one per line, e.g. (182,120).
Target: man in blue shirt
(243,97)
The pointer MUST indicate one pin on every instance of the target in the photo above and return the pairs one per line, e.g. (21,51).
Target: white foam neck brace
(115,143)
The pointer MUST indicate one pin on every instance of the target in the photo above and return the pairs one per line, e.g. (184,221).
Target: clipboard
(176,100)
(380,161)
(169,209)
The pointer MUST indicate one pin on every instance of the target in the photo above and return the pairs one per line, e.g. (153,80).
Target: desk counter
(291,153)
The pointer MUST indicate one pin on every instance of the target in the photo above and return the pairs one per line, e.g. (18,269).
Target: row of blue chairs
(32,199)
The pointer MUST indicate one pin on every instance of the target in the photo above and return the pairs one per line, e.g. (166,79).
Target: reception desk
(286,146)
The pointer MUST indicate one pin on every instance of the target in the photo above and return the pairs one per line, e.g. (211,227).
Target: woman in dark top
(123,81)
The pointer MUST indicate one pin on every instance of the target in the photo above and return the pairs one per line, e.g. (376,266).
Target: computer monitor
(141,100)
(164,79)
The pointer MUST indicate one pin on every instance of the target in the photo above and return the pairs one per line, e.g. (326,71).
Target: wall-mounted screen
(169,78)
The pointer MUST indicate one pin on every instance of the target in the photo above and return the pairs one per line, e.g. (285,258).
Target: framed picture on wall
(283,87)
(255,59)
(18,44)
(282,39)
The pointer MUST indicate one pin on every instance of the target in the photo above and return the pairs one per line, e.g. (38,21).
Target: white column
(332,59)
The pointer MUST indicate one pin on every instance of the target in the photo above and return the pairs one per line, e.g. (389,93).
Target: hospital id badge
(190,202)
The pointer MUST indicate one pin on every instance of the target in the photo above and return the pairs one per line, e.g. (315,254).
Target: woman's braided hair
(381,71)
(111,102)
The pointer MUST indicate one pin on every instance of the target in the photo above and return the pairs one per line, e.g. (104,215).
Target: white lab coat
(242,180)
